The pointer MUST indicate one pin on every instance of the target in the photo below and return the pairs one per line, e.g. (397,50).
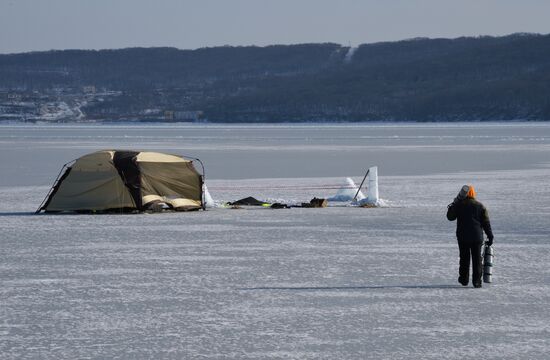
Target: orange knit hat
(471,193)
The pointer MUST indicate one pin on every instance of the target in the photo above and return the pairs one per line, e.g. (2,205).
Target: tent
(126,181)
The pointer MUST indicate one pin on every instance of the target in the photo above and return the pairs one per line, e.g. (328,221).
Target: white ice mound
(373,198)
(208,201)
(347,192)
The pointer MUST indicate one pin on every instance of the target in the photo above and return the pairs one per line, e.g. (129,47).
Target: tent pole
(203,179)
(53,186)
(360,186)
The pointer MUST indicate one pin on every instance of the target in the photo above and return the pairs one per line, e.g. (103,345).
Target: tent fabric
(171,181)
(147,156)
(125,163)
(126,180)
(94,161)
(83,189)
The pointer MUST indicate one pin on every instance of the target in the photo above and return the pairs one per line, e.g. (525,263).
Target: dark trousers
(470,249)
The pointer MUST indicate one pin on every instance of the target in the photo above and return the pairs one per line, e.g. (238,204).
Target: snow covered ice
(334,283)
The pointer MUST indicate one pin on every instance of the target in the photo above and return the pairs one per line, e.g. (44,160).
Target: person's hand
(489,242)
(455,201)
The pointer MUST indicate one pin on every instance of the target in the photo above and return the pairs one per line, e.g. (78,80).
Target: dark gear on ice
(472,219)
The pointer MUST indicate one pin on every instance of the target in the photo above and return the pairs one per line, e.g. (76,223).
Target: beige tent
(126,181)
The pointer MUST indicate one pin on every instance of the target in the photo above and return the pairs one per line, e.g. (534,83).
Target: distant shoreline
(421,80)
(273,124)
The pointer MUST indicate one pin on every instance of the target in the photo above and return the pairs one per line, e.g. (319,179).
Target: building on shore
(177,115)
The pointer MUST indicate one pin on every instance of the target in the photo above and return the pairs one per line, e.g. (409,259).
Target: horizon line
(418,38)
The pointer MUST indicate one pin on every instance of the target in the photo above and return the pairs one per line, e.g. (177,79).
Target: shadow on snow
(373,287)
(21,213)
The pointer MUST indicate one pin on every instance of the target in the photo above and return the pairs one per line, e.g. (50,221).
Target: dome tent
(126,181)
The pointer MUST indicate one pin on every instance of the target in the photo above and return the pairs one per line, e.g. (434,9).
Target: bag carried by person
(488,255)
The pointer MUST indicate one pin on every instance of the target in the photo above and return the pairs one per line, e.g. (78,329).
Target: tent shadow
(16,213)
(372,287)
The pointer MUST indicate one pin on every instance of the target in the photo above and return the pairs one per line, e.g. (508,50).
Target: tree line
(483,78)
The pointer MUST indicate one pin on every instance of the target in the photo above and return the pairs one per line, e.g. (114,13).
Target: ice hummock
(347,192)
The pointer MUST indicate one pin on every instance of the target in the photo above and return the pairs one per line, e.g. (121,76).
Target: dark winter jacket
(472,218)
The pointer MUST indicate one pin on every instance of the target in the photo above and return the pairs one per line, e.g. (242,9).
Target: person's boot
(463,282)
(477,284)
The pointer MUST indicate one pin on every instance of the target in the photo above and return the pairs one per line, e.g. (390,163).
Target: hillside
(485,78)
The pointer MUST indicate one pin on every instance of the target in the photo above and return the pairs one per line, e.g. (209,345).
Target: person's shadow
(370,287)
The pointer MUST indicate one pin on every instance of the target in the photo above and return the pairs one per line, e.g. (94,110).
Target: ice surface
(333,283)
(284,151)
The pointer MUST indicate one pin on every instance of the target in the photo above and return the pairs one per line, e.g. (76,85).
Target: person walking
(472,219)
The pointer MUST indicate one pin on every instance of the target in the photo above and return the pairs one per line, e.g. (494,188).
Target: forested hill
(485,78)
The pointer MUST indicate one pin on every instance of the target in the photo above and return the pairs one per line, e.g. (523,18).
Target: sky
(37,25)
